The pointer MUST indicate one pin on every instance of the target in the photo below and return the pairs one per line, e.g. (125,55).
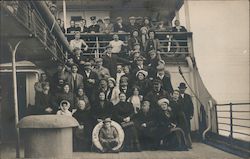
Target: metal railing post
(231,120)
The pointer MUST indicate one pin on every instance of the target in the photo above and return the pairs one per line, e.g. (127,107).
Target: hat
(105,18)
(124,78)
(112,79)
(131,18)
(144,28)
(124,83)
(152,51)
(157,81)
(145,73)
(139,18)
(107,120)
(93,18)
(109,46)
(163,100)
(160,67)
(136,43)
(53,5)
(64,102)
(118,18)
(98,60)
(87,64)
(140,58)
(73,64)
(162,62)
(182,85)
(99,20)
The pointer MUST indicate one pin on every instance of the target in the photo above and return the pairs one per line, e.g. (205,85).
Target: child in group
(108,136)
(64,108)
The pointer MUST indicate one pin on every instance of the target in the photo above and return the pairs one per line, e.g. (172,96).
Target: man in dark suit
(90,80)
(156,94)
(186,103)
(119,26)
(182,37)
(139,66)
(59,78)
(132,24)
(75,80)
(72,27)
(109,61)
(94,27)
(146,125)
(166,82)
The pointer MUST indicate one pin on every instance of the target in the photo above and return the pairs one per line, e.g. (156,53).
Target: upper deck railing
(26,14)
(99,41)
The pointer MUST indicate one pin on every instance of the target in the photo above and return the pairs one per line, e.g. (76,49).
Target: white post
(64,14)
(187,17)
(14,79)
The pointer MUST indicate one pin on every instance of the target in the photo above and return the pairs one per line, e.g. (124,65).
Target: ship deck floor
(199,151)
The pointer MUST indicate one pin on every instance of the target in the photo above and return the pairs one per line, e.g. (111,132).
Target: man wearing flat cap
(119,26)
(93,28)
(74,79)
(139,66)
(109,61)
(90,79)
(108,136)
(132,24)
(157,93)
(106,27)
(165,78)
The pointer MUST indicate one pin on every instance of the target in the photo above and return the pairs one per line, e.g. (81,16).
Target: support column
(14,79)
(187,17)
(64,15)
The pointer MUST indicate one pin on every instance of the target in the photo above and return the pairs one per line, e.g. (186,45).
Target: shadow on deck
(199,151)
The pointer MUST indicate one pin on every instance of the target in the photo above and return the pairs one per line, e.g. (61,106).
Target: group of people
(138,95)
(139,42)
(106,26)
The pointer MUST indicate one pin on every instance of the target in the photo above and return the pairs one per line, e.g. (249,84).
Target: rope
(183,77)
(180,72)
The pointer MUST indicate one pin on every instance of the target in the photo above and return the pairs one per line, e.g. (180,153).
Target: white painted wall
(176,79)
(221,46)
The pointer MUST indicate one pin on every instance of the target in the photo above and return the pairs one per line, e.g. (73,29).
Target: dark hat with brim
(87,64)
(118,18)
(182,86)
(131,18)
(93,18)
(98,60)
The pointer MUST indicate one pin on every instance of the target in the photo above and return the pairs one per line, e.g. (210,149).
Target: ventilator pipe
(52,23)
(209,120)
(190,62)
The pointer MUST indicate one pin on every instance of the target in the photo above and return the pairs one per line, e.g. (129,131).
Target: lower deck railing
(234,120)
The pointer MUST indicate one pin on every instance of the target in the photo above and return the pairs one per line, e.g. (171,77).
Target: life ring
(96,131)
